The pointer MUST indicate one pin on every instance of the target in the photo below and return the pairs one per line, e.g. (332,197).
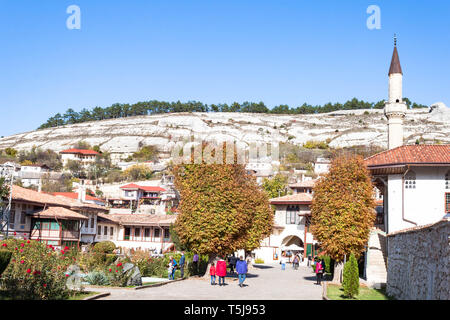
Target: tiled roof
(80,151)
(59,213)
(23,194)
(300,198)
(74,195)
(145,188)
(304,184)
(411,154)
(140,219)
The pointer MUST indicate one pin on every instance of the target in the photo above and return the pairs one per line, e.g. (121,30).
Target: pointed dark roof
(395,63)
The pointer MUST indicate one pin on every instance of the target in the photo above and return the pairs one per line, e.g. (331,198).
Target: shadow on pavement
(261,266)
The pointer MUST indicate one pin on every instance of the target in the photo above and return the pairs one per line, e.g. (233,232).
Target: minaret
(395,108)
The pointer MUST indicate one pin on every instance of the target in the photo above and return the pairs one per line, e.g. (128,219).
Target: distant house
(322,165)
(136,231)
(55,220)
(290,234)
(32,175)
(143,199)
(84,156)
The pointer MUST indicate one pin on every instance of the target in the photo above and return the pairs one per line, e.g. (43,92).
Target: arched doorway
(292,245)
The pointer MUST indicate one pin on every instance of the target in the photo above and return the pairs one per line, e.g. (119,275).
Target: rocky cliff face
(344,128)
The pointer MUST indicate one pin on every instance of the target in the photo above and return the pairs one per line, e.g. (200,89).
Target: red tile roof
(298,198)
(411,154)
(59,213)
(139,219)
(145,188)
(304,184)
(28,195)
(80,151)
(74,195)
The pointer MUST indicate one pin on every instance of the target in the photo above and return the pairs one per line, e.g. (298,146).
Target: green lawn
(82,295)
(335,292)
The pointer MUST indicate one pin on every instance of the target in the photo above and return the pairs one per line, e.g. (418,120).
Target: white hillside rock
(123,136)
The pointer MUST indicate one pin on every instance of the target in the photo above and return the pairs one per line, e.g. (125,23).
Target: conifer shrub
(350,282)
(5,257)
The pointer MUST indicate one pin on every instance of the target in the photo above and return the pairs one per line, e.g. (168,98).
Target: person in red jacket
(212,272)
(221,270)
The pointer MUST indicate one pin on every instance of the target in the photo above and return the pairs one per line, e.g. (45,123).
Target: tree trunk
(338,269)
(211,258)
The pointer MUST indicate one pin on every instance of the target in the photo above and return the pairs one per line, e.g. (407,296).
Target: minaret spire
(395,108)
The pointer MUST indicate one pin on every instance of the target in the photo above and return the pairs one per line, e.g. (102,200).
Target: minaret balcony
(395,109)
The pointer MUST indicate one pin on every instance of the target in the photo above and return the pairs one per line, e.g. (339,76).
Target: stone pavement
(264,282)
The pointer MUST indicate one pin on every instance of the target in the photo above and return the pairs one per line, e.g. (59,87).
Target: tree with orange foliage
(222,209)
(342,210)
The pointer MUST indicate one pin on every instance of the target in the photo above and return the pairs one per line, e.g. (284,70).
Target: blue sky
(278,52)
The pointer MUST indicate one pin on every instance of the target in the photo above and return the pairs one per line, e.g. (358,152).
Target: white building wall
(424,205)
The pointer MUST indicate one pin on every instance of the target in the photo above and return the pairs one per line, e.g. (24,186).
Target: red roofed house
(142,199)
(414,181)
(292,220)
(85,156)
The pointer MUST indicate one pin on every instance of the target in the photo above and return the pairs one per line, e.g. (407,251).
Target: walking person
(241,269)
(174,263)
(283,263)
(182,263)
(319,271)
(212,273)
(195,263)
(170,268)
(221,270)
(295,262)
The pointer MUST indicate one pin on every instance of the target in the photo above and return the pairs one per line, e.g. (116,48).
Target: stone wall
(418,263)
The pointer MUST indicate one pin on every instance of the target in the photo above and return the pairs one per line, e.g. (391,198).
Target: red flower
(66,248)
(22,245)
(45,285)
(16,249)
(36,272)
(15,233)
(117,270)
(22,262)
(28,270)
(119,264)
(109,270)
(4,245)
(28,241)
(21,250)
(62,251)
(67,275)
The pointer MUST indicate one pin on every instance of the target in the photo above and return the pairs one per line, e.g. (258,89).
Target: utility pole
(5,214)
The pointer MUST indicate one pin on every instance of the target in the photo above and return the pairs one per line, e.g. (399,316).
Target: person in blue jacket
(181,264)
(241,269)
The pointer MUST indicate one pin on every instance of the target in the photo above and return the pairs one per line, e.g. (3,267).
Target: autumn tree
(222,209)
(342,210)
(138,172)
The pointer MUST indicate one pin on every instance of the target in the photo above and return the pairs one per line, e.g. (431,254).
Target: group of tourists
(173,265)
(220,270)
(295,262)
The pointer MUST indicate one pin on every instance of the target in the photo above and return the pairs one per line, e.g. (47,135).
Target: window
(111,231)
(105,230)
(12,216)
(447,180)
(147,233)
(166,234)
(292,216)
(92,222)
(447,202)
(36,225)
(99,230)
(23,216)
(54,226)
(137,232)
(156,233)
(410,180)
(127,234)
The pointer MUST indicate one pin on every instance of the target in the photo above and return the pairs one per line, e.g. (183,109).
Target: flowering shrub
(36,271)
(117,277)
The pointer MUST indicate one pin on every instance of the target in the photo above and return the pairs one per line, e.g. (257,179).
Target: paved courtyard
(264,282)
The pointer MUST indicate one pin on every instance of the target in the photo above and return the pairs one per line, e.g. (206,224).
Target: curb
(157,284)
(100,295)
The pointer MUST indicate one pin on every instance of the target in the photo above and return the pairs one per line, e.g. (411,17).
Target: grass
(82,295)
(335,292)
